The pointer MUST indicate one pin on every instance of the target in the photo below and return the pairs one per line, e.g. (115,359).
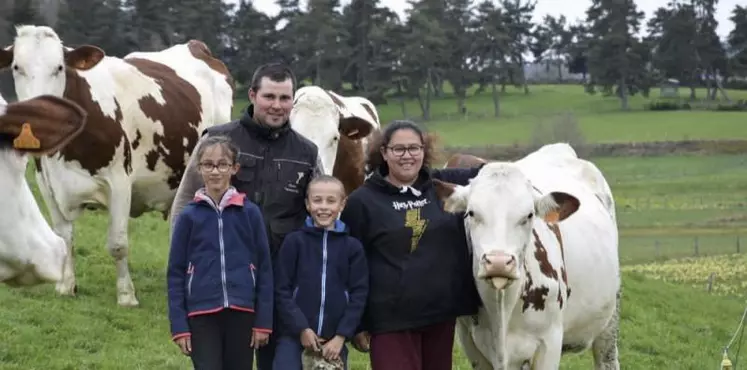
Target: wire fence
(644,249)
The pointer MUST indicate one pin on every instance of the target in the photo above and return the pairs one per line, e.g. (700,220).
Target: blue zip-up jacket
(219,258)
(321,282)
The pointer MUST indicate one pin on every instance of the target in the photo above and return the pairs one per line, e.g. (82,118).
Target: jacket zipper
(191,270)
(222,256)
(324,283)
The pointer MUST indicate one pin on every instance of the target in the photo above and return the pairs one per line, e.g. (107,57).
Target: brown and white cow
(145,114)
(461,160)
(545,260)
(30,251)
(341,127)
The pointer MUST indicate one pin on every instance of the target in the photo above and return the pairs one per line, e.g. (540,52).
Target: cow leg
(549,351)
(464,332)
(63,227)
(604,347)
(117,243)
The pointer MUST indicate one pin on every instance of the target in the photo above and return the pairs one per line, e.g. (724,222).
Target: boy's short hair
(326,178)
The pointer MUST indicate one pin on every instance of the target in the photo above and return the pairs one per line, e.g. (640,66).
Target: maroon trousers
(425,348)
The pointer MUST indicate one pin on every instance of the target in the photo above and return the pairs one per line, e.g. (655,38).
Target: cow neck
(379,181)
(260,129)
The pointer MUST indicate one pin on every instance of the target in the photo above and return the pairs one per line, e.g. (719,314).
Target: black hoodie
(418,259)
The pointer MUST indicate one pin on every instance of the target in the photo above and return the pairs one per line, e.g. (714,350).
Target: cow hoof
(67,289)
(127,300)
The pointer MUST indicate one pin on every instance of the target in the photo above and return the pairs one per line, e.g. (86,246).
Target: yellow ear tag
(26,139)
(552,217)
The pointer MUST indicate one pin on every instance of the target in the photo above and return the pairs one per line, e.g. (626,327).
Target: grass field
(668,320)
(599,118)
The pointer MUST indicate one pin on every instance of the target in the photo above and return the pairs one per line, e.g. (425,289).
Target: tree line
(364,48)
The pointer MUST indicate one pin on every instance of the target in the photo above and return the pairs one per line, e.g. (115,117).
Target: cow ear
(355,128)
(452,196)
(84,57)
(6,57)
(41,125)
(556,206)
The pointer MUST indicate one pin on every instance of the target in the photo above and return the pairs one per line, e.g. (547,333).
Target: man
(277,163)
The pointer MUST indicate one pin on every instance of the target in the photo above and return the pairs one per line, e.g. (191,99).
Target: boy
(321,282)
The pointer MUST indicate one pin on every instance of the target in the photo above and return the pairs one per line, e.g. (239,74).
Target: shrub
(667,105)
(739,106)
(561,128)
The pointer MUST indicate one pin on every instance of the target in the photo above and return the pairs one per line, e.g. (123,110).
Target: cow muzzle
(498,268)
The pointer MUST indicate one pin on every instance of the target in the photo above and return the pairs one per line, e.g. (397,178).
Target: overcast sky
(572,9)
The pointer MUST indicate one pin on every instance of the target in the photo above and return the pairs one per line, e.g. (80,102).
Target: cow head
(39,61)
(30,252)
(500,207)
(325,118)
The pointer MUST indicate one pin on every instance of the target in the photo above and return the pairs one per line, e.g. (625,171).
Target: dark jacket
(417,254)
(276,167)
(321,282)
(219,259)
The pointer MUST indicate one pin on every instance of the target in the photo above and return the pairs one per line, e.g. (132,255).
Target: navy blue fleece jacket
(321,282)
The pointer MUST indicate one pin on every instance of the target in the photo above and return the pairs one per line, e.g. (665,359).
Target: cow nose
(499,264)
(493,258)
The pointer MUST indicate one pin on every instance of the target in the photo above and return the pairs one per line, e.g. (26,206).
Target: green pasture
(668,205)
(599,118)
(679,197)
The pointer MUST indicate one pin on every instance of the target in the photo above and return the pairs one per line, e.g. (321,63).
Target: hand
(309,340)
(259,339)
(185,344)
(362,342)
(331,350)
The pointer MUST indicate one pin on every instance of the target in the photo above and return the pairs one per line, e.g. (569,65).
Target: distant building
(550,71)
(669,88)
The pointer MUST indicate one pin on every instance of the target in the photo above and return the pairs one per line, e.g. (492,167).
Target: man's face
(273,101)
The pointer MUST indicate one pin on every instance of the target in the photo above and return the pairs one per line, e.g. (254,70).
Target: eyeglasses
(399,150)
(208,167)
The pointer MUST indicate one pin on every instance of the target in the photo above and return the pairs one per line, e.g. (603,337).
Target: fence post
(711,277)
(695,243)
(737,244)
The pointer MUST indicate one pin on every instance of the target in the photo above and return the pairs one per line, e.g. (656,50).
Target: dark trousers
(221,340)
(266,354)
(426,348)
(289,351)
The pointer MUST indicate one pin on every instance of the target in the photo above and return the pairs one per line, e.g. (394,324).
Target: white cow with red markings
(145,114)
(545,254)
(31,253)
(340,126)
